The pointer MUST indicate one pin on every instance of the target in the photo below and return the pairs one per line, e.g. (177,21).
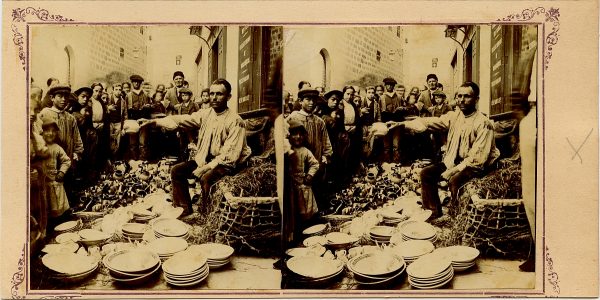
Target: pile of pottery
(376,268)
(134,266)
(186,268)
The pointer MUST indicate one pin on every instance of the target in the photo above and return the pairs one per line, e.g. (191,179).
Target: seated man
(470,147)
(221,145)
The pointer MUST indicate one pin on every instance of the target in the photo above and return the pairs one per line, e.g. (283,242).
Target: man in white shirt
(221,145)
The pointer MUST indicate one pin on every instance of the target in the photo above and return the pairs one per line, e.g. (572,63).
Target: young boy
(440,106)
(203,102)
(303,167)
(54,168)
(186,107)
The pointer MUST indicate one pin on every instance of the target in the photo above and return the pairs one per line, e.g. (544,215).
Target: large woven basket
(498,224)
(249,221)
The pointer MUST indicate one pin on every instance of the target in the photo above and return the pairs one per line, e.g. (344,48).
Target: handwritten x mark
(580,146)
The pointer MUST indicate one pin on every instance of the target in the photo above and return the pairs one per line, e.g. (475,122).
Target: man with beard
(471,148)
(173,93)
(221,145)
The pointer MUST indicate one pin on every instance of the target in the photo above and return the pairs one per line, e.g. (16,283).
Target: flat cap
(389,80)
(136,77)
(60,88)
(84,89)
(310,93)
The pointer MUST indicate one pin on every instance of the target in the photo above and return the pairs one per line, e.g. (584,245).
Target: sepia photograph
(299,149)
(412,158)
(152,157)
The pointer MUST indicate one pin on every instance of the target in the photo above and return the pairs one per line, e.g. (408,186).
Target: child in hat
(54,169)
(303,167)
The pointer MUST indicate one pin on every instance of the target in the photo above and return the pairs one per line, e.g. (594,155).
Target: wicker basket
(498,224)
(250,221)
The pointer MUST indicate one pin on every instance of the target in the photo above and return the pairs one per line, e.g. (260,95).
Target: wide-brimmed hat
(338,93)
(59,89)
(310,93)
(136,77)
(84,89)
(389,80)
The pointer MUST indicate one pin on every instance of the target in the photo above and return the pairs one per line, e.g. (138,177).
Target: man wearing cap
(317,138)
(138,107)
(116,114)
(173,92)
(426,97)
(390,103)
(221,145)
(186,107)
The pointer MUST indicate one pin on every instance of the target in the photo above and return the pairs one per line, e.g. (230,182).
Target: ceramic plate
(314,229)
(131,261)
(69,263)
(185,262)
(61,248)
(314,267)
(214,251)
(314,240)
(168,245)
(67,237)
(170,227)
(376,264)
(459,253)
(67,226)
(428,266)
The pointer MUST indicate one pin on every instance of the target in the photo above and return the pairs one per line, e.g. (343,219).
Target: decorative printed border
(19,276)
(552,275)
(552,15)
(19,15)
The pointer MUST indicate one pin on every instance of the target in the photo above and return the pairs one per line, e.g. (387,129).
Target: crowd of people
(76,135)
(335,134)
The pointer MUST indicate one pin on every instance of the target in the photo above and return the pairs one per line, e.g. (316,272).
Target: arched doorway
(326,79)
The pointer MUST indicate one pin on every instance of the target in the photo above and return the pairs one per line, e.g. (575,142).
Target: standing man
(426,97)
(390,103)
(400,91)
(138,107)
(221,145)
(173,92)
(116,116)
(471,148)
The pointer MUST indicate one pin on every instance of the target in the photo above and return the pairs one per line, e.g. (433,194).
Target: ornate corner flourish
(19,15)
(552,275)
(552,15)
(19,276)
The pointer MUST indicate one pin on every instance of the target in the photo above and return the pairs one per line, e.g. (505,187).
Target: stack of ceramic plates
(430,272)
(71,226)
(132,266)
(376,268)
(462,257)
(165,227)
(391,217)
(134,231)
(381,234)
(418,231)
(315,230)
(186,268)
(314,250)
(314,270)
(92,237)
(313,240)
(142,215)
(70,267)
(217,255)
(413,249)
(340,240)
(167,246)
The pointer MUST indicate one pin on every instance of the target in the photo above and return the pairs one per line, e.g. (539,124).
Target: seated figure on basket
(221,145)
(470,147)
